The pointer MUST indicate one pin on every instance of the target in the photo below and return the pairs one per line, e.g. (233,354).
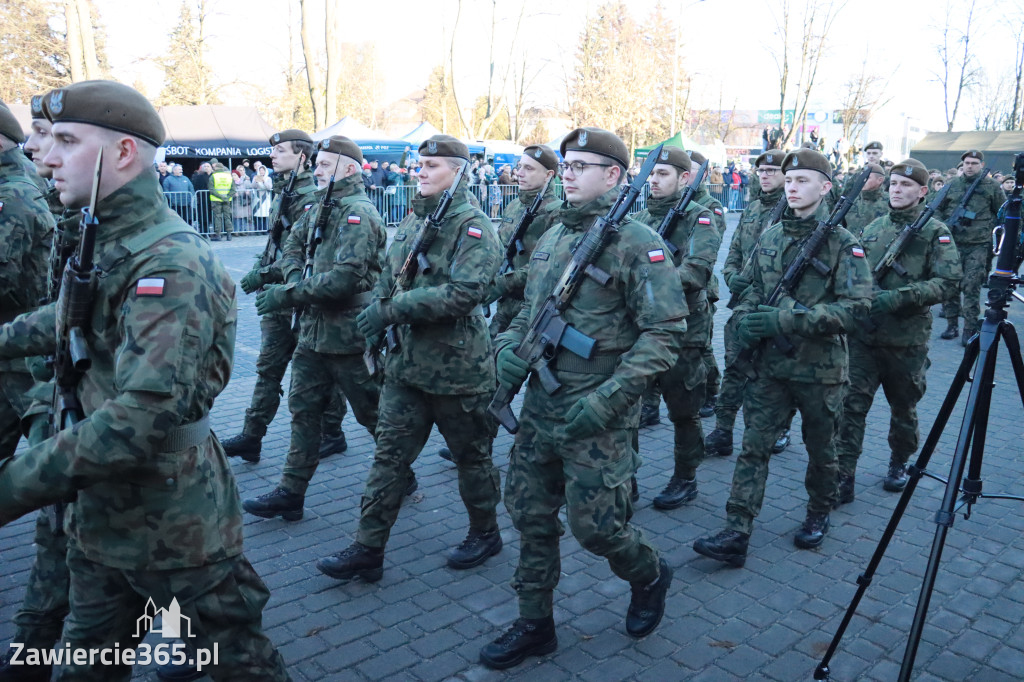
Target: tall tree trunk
(92,64)
(333,63)
(74,38)
(316,98)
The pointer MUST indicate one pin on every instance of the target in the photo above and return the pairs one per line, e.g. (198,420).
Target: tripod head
(1003,281)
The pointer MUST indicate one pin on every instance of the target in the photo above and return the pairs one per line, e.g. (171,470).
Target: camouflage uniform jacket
(26,231)
(305,199)
(444,345)
(637,319)
(161,339)
(985,202)
(704,198)
(933,275)
(347,263)
(748,231)
(833,302)
(870,204)
(513,283)
(697,239)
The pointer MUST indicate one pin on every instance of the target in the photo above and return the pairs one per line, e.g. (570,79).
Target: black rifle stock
(773,217)
(515,247)
(549,332)
(961,217)
(806,257)
(668,223)
(315,238)
(416,261)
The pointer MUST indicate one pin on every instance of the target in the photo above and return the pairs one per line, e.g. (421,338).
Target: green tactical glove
(495,291)
(512,369)
(252,281)
(586,418)
(372,323)
(274,297)
(886,302)
(738,284)
(763,324)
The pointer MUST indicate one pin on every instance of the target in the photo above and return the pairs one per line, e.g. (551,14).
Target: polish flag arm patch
(945,239)
(704,220)
(354,220)
(718,211)
(656,255)
(150,286)
(475,232)
(857,252)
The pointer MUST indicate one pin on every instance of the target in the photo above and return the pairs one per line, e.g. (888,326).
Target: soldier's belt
(187,436)
(599,364)
(351,303)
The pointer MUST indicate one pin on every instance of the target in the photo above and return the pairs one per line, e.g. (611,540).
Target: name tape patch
(656,255)
(150,286)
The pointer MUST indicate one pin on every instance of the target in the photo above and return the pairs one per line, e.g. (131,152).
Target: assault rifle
(549,333)
(961,217)
(773,217)
(282,222)
(315,238)
(415,262)
(74,311)
(515,246)
(806,257)
(668,223)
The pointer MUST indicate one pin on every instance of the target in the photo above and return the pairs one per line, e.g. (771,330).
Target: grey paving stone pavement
(771,620)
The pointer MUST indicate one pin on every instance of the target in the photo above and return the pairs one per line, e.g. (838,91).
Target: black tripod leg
(974,424)
(1009,336)
(864,579)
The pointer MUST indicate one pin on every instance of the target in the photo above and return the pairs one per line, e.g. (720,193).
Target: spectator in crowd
(162,171)
(505,183)
(256,165)
(179,192)
(392,182)
(262,197)
(733,180)
(241,206)
(366,176)
(378,177)
(249,172)
(201,184)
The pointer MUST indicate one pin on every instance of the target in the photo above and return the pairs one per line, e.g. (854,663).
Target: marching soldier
(812,378)
(698,239)
(292,151)
(973,241)
(155,508)
(329,355)
(871,203)
(441,372)
(574,447)
(895,354)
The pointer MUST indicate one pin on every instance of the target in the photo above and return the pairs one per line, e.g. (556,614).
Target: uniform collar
(579,218)
(130,208)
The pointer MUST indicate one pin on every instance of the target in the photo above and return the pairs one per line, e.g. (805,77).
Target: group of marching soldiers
(400,334)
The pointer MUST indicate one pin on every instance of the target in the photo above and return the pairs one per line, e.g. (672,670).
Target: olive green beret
(290,135)
(444,145)
(675,156)
(9,126)
(974,154)
(596,141)
(697,158)
(876,169)
(913,169)
(39,109)
(772,157)
(873,145)
(107,104)
(808,145)
(807,159)
(544,154)
(339,144)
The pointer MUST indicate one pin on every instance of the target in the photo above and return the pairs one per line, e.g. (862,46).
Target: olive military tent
(943,150)
(205,131)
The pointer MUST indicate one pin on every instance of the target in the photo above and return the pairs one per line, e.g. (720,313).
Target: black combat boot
(412,486)
(634,490)
(356,561)
(812,533)
(782,443)
(278,502)
(246,447)
(678,492)
(647,605)
(844,491)
(649,415)
(709,407)
(22,672)
(896,480)
(332,444)
(475,549)
(968,333)
(718,443)
(729,546)
(526,637)
(952,331)
(445,454)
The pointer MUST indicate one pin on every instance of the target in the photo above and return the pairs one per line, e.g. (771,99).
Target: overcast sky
(729,45)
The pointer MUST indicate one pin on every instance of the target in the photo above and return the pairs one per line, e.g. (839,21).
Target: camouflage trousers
(14,403)
(221,211)
(767,405)
(405,417)
(684,389)
(590,476)
(901,374)
(277,343)
(974,258)
(714,380)
(730,397)
(40,619)
(316,377)
(223,603)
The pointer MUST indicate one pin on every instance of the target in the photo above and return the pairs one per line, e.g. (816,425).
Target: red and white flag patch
(150,286)
(475,232)
(944,239)
(857,251)
(718,211)
(704,220)
(656,255)
(354,220)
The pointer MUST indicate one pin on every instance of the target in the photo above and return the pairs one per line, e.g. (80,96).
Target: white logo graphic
(170,621)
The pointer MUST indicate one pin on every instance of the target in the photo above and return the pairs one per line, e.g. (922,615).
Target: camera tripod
(961,493)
